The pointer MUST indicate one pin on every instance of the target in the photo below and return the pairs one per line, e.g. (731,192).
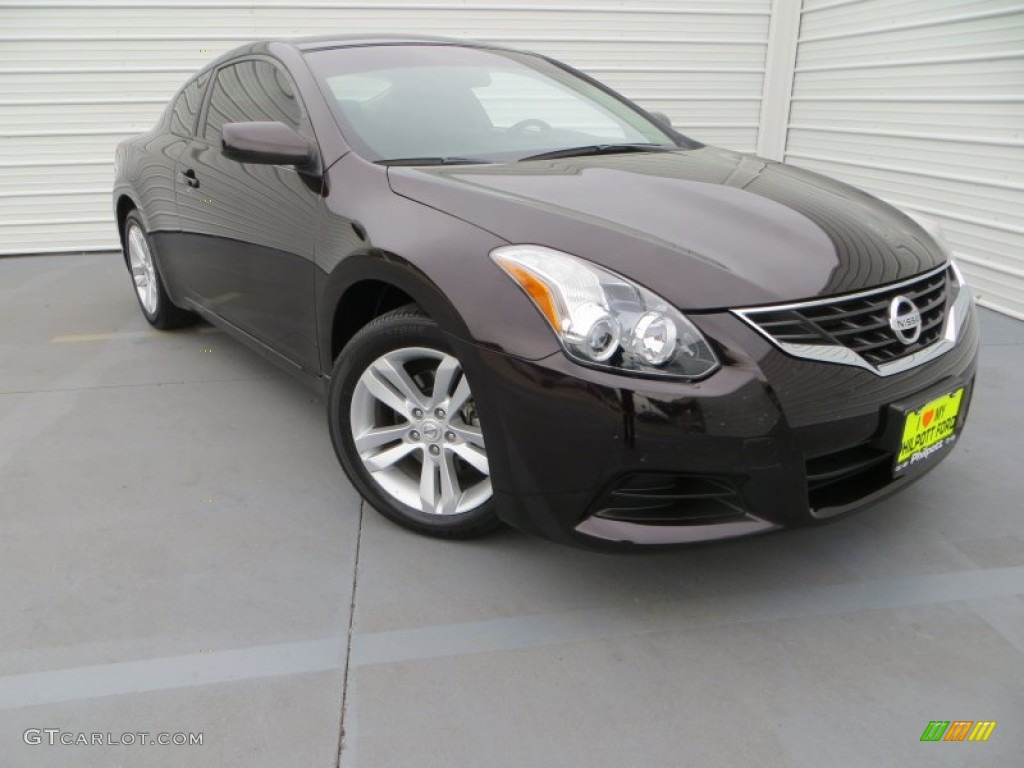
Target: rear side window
(186,107)
(251,90)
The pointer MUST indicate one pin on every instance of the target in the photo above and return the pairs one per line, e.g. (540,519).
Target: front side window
(429,101)
(186,106)
(254,90)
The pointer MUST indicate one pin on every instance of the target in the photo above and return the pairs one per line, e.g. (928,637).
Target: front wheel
(406,430)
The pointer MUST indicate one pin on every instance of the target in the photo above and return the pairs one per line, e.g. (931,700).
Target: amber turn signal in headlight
(605,320)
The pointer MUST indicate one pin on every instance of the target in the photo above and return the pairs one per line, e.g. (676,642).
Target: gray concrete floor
(181,553)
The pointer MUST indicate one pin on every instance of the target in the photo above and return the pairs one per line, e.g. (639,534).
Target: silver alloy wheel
(415,429)
(143,271)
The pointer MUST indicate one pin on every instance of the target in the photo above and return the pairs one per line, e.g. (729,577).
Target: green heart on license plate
(929,425)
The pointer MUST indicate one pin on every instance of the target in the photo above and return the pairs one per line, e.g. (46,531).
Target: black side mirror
(662,118)
(265,143)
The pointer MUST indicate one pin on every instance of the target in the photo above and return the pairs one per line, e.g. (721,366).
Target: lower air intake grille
(844,477)
(668,499)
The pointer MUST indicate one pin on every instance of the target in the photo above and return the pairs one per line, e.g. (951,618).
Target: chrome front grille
(855,329)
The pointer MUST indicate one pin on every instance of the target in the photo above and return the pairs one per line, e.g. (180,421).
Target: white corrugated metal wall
(77,77)
(918,101)
(921,102)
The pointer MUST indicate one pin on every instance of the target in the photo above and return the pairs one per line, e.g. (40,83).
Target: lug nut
(449,436)
(414,435)
(417,413)
(434,450)
(439,412)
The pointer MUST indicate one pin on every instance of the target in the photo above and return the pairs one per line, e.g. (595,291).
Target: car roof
(326,42)
(342,41)
(322,42)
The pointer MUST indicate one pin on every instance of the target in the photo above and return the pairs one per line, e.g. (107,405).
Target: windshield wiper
(598,149)
(431,161)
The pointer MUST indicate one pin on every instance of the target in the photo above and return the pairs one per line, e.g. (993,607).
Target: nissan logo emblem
(905,320)
(431,431)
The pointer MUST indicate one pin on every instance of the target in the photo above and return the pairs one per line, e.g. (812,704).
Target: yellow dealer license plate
(928,430)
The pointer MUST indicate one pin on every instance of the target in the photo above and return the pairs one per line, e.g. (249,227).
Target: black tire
(164,315)
(398,330)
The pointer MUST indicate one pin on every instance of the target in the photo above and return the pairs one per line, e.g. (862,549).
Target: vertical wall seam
(779,73)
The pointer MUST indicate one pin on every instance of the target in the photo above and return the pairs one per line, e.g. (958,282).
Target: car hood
(704,228)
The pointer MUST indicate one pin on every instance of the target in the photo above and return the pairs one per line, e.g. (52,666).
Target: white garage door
(922,103)
(77,77)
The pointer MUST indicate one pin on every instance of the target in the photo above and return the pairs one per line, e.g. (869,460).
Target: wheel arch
(366,286)
(125,205)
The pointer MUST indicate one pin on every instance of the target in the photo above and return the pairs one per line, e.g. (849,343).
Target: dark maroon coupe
(531,301)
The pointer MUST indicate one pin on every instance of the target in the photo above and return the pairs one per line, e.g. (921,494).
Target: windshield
(447,103)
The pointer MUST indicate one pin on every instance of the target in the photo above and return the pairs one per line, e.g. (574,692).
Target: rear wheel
(149,288)
(405,427)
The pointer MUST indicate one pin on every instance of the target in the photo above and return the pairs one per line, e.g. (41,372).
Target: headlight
(603,319)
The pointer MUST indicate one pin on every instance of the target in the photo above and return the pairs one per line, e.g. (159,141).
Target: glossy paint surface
(708,227)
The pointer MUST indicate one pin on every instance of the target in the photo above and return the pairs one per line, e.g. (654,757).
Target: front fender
(367,232)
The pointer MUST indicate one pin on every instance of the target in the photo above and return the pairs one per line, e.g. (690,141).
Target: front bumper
(768,441)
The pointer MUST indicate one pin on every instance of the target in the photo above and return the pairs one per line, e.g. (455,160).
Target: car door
(251,228)
(177,263)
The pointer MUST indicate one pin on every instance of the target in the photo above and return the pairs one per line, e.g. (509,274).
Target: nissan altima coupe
(530,301)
